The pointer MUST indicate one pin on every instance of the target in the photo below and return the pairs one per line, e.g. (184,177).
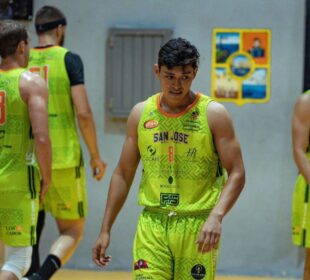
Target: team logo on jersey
(192,123)
(191,153)
(151,154)
(140,264)
(195,115)
(151,150)
(198,271)
(150,124)
(169,199)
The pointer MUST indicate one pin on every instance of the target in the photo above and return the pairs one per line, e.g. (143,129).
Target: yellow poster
(241,65)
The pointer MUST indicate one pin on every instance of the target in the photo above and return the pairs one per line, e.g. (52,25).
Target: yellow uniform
(181,182)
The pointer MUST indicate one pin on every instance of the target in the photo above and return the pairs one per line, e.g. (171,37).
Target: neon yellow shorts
(301,213)
(165,248)
(19,211)
(66,198)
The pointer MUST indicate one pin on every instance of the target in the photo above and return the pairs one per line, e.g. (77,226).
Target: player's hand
(210,234)
(43,189)
(98,167)
(99,250)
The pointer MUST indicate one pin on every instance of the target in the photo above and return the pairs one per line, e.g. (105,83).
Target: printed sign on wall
(241,65)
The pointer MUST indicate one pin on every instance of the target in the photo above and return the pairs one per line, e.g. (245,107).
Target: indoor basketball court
(98,59)
(92,275)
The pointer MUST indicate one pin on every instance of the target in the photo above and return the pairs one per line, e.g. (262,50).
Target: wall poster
(241,65)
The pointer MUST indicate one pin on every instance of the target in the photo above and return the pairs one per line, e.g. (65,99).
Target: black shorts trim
(31,182)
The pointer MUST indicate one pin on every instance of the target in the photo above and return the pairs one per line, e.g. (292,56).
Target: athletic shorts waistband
(171,213)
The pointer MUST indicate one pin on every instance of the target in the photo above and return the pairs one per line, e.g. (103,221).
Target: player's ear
(60,30)
(156,70)
(195,71)
(21,47)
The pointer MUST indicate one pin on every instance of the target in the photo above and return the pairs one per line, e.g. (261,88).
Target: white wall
(256,237)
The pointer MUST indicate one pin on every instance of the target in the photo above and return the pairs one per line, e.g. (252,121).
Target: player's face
(175,82)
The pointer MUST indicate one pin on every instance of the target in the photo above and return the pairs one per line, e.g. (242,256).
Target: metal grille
(131,54)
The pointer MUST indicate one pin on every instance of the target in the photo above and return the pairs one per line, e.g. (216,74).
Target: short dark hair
(11,34)
(178,52)
(48,14)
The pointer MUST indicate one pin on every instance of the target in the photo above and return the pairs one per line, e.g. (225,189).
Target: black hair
(11,34)
(178,52)
(48,14)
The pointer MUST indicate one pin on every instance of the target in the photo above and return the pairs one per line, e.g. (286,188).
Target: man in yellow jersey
(301,208)
(23,132)
(185,141)
(66,199)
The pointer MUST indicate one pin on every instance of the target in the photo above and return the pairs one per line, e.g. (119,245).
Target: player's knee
(77,232)
(18,260)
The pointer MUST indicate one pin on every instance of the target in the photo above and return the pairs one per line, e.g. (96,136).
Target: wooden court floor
(95,275)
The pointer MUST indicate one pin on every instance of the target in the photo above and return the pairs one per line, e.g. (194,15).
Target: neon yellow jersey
(50,64)
(181,169)
(16,144)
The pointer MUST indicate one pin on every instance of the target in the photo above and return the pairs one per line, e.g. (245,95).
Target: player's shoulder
(73,61)
(212,104)
(304,98)
(136,113)
(218,116)
(31,80)
(60,48)
(302,106)
(73,56)
(31,84)
(216,108)
(138,109)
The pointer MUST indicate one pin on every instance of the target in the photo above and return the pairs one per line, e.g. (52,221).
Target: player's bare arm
(88,129)
(120,185)
(228,148)
(34,92)
(300,132)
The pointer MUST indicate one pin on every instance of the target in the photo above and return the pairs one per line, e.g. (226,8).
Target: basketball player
(23,130)
(185,141)
(66,199)
(301,209)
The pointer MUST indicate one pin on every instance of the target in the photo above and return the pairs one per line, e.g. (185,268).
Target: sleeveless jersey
(17,173)
(181,169)
(50,64)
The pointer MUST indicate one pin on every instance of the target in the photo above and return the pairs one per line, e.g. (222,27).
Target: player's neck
(9,63)
(47,40)
(173,106)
